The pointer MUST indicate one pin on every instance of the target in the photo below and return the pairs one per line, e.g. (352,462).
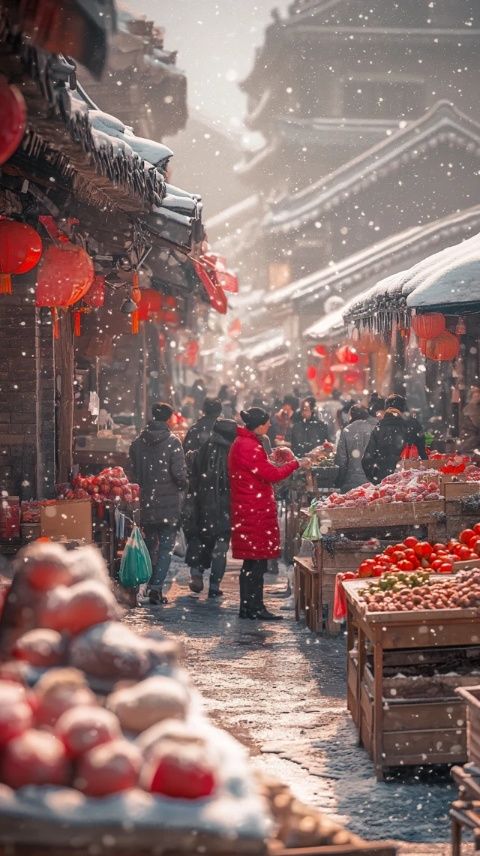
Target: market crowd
(217,486)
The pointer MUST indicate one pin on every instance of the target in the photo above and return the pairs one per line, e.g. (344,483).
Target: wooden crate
(379,516)
(458,489)
(409,731)
(306,592)
(471,696)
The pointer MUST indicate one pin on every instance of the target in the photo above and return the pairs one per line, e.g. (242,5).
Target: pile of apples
(462,592)
(412,555)
(60,635)
(403,486)
(111,483)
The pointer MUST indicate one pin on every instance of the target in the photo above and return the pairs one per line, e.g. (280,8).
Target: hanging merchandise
(136,296)
(347,356)
(443,348)
(428,326)
(65,274)
(312,529)
(13,111)
(20,250)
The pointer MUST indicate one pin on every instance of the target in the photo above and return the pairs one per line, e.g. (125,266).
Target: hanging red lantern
(461,327)
(443,348)
(20,250)
(327,383)
(347,355)
(215,293)
(352,377)
(320,351)
(311,373)
(64,276)
(14,117)
(428,326)
(217,269)
(150,304)
(95,296)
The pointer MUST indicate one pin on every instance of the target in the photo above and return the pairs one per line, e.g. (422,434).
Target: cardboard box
(67,520)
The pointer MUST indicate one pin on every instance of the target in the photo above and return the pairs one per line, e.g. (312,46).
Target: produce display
(402,486)
(418,591)
(111,483)
(413,554)
(92,709)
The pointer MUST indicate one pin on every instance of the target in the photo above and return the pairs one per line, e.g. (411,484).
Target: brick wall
(27,402)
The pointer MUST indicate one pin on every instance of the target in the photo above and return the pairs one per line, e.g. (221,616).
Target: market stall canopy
(76,28)
(450,276)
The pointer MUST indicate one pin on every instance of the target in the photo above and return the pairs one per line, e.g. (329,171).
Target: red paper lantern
(428,326)
(95,296)
(64,276)
(352,377)
(443,348)
(327,383)
(311,373)
(320,350)
(347,356)
(14,117)
(20,250)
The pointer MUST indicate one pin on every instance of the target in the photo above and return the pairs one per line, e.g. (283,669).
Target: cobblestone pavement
(281,691)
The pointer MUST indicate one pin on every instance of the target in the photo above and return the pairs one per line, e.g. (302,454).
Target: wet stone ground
(281,691)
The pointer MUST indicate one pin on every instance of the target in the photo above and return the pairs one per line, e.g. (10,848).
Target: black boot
(247,603)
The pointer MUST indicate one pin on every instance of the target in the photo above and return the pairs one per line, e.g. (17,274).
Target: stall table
(427,724)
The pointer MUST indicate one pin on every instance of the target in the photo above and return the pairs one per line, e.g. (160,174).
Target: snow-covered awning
(451,276)
(266,346)
(327,326)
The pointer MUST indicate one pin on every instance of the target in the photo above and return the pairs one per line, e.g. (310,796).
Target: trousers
(251,584)
(214,556)
(160,541)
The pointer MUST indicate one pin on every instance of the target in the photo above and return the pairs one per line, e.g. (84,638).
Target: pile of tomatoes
(412,555)
(111,483)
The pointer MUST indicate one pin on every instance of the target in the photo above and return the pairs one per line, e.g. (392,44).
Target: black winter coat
(387,440)
(159,468)
(210,490)
(306,435)
(199,433)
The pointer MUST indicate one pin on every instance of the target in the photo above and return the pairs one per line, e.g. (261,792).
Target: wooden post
(378,707)
(64,373)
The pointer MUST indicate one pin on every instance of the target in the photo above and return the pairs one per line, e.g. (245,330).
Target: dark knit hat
(162,411)
(397,402)
(212,407)
(227,428)
(253,417)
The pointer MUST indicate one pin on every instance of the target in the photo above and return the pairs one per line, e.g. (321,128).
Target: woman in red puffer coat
(255,532)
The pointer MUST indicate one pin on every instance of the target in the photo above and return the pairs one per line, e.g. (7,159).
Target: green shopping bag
(312,529)
(136,565)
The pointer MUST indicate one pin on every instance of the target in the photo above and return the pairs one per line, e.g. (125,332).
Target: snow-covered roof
(443,123)
(265,346)
(449,276)
(327,325)
(377,257)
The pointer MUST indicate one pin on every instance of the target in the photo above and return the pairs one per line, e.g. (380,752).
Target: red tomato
(405,565)
(464,552)
(446,568)
(437,564)
(398,555)
(467,535)
(423,549)
(411,541)
(389,550)
(378,570)
(188,781)
(476,528)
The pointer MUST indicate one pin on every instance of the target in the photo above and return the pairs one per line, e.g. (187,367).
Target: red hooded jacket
(255,532)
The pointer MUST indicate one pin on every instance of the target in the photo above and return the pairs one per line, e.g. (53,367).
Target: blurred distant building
(141,83)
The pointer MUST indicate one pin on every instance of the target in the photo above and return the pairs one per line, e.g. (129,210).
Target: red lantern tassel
(135,322)
(5,283)
(77,324)
(56,326)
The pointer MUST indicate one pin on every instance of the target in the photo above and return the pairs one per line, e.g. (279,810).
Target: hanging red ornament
(443,348)
(77,323)
(14,117)
(461,327)
(347,355)
(65,274)
(215,293)
(95,296)
(150,304)
(311,373)
(428,326)
(320,350)
(327,383)
(20,250)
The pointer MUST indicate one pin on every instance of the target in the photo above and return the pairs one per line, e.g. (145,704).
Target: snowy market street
(281,691)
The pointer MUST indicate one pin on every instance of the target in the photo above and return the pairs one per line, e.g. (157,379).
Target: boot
(246,605)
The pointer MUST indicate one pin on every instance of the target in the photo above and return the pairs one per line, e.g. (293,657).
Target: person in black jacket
(308,430)
(396,430)
(202,429)
(208,524)
(158,463)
